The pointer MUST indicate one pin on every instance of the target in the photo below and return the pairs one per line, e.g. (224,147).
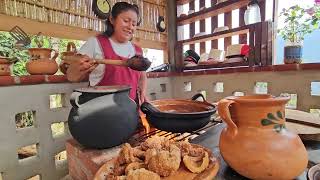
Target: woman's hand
(79,69)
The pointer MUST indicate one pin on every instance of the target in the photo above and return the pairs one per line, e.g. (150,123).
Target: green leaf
(279,114)
(277,127)
(266,122)
(271,116)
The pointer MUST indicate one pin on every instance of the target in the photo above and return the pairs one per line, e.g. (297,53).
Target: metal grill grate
(140,137)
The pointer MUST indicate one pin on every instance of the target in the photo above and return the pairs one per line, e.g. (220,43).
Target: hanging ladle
(138,63)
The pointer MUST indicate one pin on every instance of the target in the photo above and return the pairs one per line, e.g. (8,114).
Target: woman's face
(125,25)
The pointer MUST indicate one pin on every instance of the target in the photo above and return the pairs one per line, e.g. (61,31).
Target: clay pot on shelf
(71,51)
(5,66)
(41,61)
(256,143)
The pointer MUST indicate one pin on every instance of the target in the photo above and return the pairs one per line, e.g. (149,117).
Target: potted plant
(298,22)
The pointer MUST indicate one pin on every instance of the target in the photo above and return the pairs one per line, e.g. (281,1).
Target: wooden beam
(182,2)
(212,11)
(61,31)
(150,44)
(49,29)
(218,35)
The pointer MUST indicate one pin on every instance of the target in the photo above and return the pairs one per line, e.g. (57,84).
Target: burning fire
(145,122)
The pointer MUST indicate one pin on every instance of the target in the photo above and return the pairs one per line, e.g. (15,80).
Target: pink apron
(118,75)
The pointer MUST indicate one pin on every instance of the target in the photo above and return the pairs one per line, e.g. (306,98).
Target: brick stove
(84,163)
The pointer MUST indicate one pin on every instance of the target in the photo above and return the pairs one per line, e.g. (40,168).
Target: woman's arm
(80,70)
(143,87)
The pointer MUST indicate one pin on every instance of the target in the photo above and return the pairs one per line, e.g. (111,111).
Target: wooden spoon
(138,63)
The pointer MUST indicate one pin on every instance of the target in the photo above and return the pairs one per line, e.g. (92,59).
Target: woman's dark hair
(117,9)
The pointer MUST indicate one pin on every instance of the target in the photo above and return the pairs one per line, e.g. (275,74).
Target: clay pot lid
(314,172)
(103,89)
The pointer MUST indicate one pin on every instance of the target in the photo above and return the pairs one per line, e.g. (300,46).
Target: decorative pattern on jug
(275,121)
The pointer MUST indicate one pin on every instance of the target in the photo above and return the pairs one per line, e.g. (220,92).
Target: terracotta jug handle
(74,99)
(56,54)
(71,47)
(224,113)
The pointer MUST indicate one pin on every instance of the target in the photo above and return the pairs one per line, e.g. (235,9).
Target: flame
(145,122)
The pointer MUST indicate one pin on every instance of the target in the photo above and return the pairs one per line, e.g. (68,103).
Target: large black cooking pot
(102,116)
(178,116)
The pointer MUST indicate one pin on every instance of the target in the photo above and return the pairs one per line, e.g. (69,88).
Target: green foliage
(299,22)
(7,49)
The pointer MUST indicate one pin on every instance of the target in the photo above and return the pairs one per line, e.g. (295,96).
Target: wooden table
(211,141)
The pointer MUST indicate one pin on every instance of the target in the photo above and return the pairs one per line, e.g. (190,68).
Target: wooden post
(227,22)
(270,41)
(274,30)
(257,43)
(192,25)
(251,45)
(264,43)
(242,37)
(175,57)
(202,28)
(214,24)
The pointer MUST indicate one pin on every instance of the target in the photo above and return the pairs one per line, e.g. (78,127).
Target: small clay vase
(71,51)
(5,66)
(41,61)
(256,143)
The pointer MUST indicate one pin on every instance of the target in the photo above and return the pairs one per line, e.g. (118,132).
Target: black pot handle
(148,108)
(196,96)
(74,99)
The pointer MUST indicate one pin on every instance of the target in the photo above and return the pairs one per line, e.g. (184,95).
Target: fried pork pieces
(156,157)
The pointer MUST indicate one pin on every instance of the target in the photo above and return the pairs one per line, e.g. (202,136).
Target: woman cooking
(114,43)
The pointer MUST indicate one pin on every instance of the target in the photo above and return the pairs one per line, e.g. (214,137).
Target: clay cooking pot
(102,116)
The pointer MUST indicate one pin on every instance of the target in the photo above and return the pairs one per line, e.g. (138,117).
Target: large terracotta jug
(256,143)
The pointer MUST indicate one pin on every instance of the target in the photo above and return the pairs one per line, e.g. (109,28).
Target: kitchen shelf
(212,11)
(217,35)
(221,65)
